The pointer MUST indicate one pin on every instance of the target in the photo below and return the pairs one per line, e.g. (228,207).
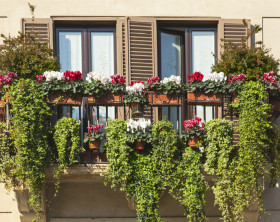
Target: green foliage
(188,186)
(208,86)
(134,98)
(29,136)
(26,56)
(96,88)
(170,88)
(145,175)
(220,153)
(251,61)
(70,87)
(67,141)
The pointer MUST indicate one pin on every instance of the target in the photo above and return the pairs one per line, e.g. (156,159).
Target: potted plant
(194,131)
(94,136)
(235,83)
(5,82)
(165,92)
(64,88)
(135,97)
(139,132)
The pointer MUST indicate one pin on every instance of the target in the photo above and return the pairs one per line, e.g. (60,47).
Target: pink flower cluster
(134,82)
(117,79)
(7,79)
(190,124)
(270,77)
(95,128)
(153,80)
(195,76)
(73,76)
(40,78)
(240,77)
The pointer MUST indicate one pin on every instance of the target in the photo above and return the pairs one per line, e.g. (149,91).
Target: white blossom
(53,75)
(95,76)
(217,77)
(137,88)
(172,78)
(140,124)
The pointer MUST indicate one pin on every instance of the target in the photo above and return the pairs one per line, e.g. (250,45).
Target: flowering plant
(68,82)
(117,84)
(216,83)
(195,82)
(270,82)
(236,82)
(171,85)
(153,84)
(94,133)
(96,84)
(6,81)
(195,77)
(135,93)
(193,128)
(140,130)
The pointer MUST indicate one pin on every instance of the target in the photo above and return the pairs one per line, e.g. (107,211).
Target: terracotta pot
(203,98)
(234,97)
(162,99)
(64,98)
(140,145)
(108,99)
(193,142)
(95,145)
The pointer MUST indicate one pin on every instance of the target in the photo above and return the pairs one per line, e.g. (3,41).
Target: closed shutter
(141,48)
(232,30)
(43,27)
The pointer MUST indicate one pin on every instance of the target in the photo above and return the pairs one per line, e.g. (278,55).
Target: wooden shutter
(233,30)
(141,48)
(43,27)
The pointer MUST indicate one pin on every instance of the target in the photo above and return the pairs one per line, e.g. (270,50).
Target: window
(182,51)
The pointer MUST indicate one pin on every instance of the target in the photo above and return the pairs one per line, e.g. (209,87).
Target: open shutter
(141,48)
(233,30)
(43,27)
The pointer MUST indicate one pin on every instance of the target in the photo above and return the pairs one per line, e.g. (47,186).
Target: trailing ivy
(29,136)
(67,141)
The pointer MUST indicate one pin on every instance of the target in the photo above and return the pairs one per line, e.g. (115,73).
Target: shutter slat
(234,32)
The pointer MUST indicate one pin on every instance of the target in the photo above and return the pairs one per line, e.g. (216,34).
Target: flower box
(203,98)
(106,100)
(64,99)
(156,99)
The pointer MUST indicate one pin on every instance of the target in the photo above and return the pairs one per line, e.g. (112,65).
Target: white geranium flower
(173,78)
(137,88)
(140,124)
(53,75)
(95,76)
(217,77)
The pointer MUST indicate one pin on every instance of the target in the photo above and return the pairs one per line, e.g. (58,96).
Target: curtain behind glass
(70,51)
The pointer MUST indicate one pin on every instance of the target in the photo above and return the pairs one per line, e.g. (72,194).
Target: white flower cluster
(217,77)
(172,78)
(140,124)
(95,76)
(53,75)
(137,88)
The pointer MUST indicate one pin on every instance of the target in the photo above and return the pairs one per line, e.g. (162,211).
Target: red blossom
(270,78)
(73,76)
(153,80)
(117,79)
(240,77)
(40,78)
(196,122)
(134,82)
(197,76)
(7,79)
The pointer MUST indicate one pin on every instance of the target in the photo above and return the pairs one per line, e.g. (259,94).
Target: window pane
(70,51)
(102,51)
(203,48)
(170,55)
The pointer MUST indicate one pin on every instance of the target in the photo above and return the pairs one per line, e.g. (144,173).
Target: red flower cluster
(195,76)
(40,78)
(117,79)
(95,128)
(133,82)
(240,77)
(190,124)
(7,79)
(153,80)
(73,76)
(270,77)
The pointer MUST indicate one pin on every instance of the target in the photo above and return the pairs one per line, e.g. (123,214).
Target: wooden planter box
(204,99)
(64,99)
(113,99)
(156,99)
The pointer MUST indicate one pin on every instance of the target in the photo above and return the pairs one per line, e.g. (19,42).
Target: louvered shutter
(43,27)
(141,48)
(233,30)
